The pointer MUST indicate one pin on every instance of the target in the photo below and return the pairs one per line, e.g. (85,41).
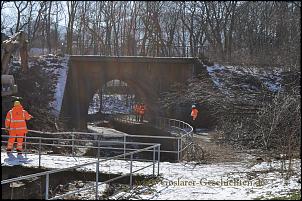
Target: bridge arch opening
(114,97)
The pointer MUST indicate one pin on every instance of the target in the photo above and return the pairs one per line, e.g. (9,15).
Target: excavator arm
(8,48)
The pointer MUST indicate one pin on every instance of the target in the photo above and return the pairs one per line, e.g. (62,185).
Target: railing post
(72,141)
(97,180)
(97,171)
(46,186)
(124,146)
(158,158)
(131,158)
(40,149)
(178,149)
(153,161)
(25,147)
(98,152)
(181,148)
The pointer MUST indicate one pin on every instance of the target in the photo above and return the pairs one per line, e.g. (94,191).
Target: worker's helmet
(193,106)
(17,103)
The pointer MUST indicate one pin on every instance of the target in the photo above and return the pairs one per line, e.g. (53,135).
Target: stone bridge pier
(146,76)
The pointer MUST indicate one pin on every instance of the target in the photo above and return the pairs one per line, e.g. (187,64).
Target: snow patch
(270,77)
(233,180)
(62,72)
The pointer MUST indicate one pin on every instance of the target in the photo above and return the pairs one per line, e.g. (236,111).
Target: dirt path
(215,152)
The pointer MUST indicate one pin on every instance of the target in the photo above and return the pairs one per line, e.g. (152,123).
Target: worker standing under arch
(142,110)
(15,123)
(136,111)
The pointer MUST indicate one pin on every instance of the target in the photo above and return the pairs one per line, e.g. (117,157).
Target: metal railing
(183,136)
(97,163)
(184,131)
(74,143)
(182,139)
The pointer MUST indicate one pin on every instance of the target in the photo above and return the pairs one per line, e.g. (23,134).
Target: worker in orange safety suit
(194,114)
(142,110)
(136,111)
(16,125)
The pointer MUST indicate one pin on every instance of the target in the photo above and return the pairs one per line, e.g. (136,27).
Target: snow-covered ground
(232,180)
(110,132)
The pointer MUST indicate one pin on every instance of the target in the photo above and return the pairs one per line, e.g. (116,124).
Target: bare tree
(20,6)
(48,27)
(72,9)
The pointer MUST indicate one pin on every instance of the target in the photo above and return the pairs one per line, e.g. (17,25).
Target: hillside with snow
(269,78)
(58,66)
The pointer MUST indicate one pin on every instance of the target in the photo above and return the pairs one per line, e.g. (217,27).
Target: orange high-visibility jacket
(142,110)
(135,108)
(15,120)
(194,113)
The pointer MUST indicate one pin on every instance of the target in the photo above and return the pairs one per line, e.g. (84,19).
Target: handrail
(74,167)
(167,123)
(131,119)
(47,173)
(161,123)
(73,146)
(96,134)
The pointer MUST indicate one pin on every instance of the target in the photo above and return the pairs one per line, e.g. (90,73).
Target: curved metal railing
(179,130)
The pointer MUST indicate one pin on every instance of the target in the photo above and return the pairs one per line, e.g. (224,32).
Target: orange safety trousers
(11,141)
(194,113)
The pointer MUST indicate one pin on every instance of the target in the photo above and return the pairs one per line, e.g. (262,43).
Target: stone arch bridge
(146,76)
